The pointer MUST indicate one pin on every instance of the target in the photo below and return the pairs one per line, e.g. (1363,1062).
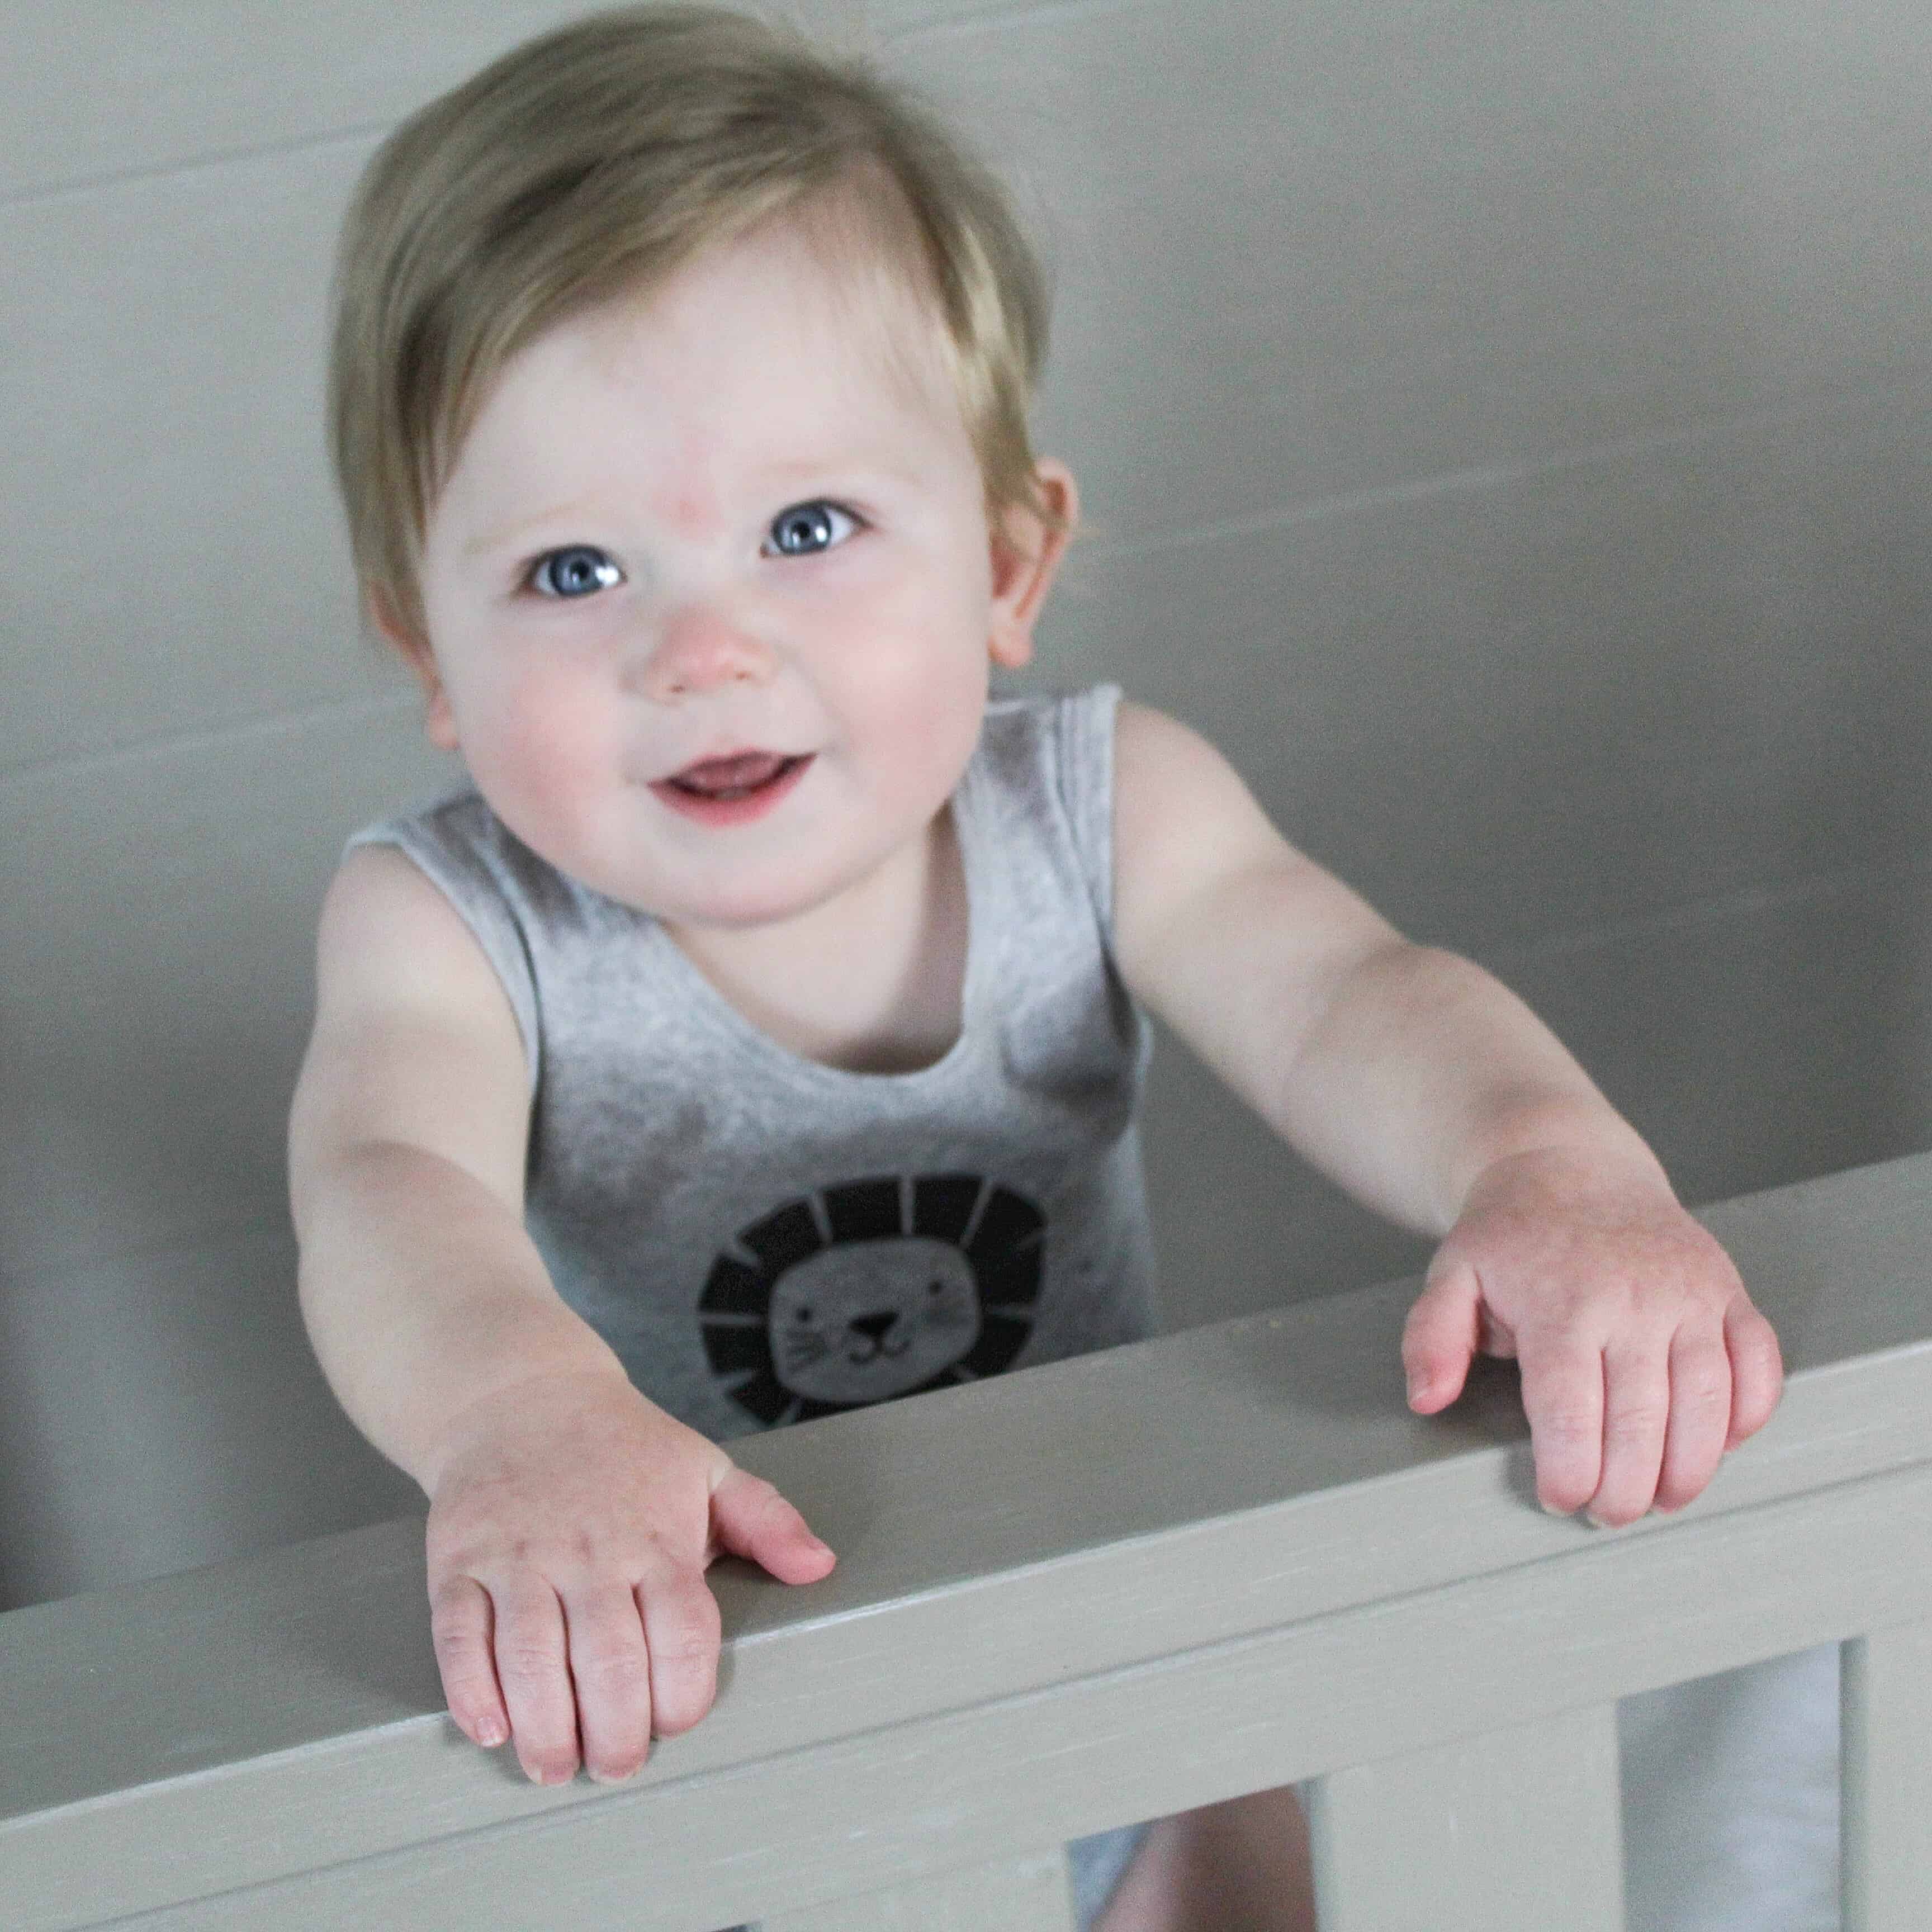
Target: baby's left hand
(1642,1357)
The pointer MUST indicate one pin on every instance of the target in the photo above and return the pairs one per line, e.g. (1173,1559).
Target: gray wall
(1504,429)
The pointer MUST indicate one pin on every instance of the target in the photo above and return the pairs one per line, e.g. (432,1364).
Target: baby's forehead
(762,364)
(787,296)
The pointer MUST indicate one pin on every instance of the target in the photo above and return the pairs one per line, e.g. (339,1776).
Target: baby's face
(710,593)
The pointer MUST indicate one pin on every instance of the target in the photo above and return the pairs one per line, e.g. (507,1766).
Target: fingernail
(1551,1509)
(490,1733)
(1418,1387)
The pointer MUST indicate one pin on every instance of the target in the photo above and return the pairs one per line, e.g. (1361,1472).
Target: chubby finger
(1757,1368)
(1636,1414)
(611,1671)
(750,1519)
(681,1628)
(1700,1415)
(532,1666)
(1439,1339)
(1563,1397)
(460,1626)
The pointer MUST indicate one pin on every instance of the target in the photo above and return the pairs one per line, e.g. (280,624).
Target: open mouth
(731,790)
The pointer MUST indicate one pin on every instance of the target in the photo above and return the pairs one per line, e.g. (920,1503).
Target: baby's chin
(737,891)
(782,892)
(744,906)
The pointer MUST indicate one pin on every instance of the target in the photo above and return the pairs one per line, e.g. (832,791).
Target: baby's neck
(872,983)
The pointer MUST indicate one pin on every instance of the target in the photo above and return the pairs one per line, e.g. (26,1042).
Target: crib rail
(1067,1599)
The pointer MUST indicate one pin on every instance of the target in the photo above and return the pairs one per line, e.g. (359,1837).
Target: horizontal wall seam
(135,751)
(189,161)
(1509,473)
(76,185)
(269,1215)
(1049,13)
(1740,902)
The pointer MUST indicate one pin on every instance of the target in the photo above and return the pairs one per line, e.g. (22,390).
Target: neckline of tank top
(977,859)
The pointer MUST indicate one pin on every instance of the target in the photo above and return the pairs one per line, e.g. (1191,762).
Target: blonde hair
(596,161)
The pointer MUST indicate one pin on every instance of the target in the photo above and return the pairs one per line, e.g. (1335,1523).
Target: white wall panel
(157,920)
(102,87)
(1575,694)
(170,559)
(1308,250)
(1772,1036)
(208,1433)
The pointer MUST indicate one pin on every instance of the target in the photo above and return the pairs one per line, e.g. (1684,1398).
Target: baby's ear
(1026,550)
(411,644)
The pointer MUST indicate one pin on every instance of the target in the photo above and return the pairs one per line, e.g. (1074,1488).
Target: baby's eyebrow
(508,536)
(840,471)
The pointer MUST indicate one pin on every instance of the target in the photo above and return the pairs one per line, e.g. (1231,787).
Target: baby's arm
(571,1521)
(1434,1095)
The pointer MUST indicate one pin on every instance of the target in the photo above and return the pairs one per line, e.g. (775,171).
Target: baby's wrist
(1572,1168)
(512,1405)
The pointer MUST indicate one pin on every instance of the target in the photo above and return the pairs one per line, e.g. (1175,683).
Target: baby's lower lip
(731,791)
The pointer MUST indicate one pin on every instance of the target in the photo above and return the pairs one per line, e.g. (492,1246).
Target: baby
(761,1035)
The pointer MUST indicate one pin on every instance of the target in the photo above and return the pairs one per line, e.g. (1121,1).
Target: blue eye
(575,570)
(808,528)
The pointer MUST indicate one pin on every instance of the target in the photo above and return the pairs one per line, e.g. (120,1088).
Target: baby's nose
(700,650)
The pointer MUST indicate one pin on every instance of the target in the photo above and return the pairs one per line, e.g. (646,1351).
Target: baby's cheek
(923,709)
(544,760)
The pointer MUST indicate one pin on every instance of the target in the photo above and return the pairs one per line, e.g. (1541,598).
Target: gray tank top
(763,1239)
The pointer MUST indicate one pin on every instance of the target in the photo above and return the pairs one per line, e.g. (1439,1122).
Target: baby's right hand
(571,1523)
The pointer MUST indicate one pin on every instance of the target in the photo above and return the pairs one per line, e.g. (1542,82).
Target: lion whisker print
(804,1347)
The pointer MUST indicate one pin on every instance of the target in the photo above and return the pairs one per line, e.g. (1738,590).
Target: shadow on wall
(1784,1029)
(159,1406)
(166,1415)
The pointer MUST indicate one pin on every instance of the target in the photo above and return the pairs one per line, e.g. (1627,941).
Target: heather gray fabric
(1095,1867)
(763,1239)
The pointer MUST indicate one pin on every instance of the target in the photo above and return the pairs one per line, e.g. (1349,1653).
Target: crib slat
(1029,1895)
(1886,1703)
(1516,1831)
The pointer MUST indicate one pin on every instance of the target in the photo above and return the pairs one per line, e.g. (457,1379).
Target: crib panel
(1029,1895)
(1886,1869)
(739,1819)
(1514,1831)
(1017,1657)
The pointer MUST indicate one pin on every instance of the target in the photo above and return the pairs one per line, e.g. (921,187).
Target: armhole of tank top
(1084,776)
(503,946)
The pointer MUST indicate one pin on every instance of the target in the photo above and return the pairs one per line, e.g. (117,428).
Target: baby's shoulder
(504,897)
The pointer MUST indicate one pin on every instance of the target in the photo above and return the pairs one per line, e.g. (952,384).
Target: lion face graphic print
(870,1290)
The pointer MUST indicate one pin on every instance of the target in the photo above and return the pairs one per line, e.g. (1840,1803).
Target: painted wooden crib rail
(1067,1599)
